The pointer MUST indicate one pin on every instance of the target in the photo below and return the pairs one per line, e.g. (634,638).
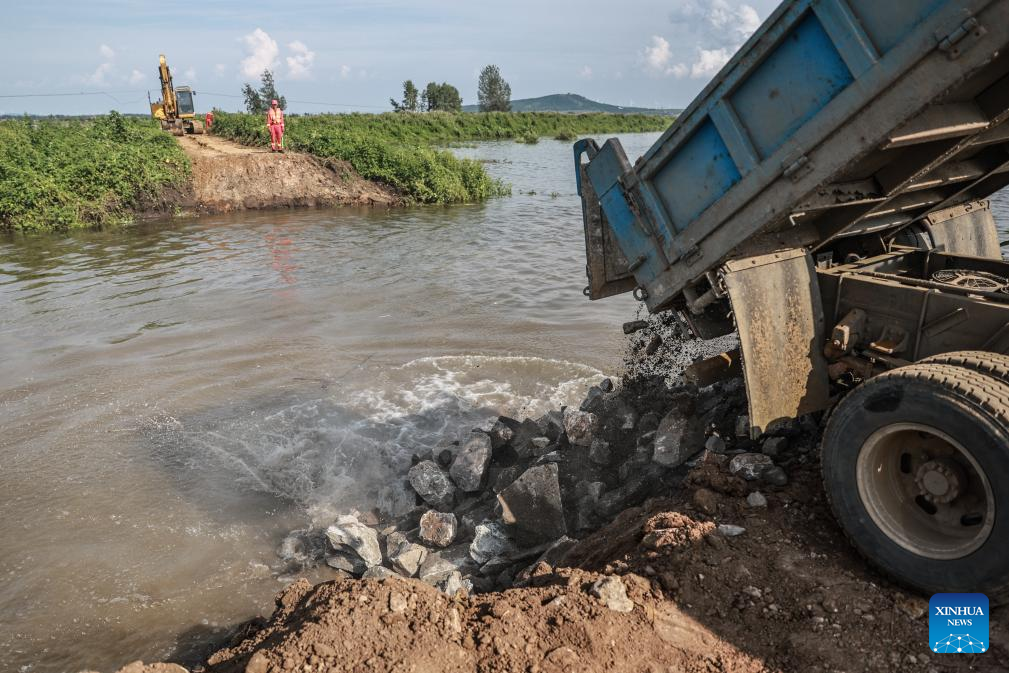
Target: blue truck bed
(836,118)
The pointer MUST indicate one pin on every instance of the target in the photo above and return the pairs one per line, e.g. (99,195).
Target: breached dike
(514,494)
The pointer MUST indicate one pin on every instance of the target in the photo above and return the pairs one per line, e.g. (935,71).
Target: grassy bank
(68,174)
(398,149)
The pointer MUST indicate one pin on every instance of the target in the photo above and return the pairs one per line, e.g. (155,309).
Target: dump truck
(825,198)
(176,109)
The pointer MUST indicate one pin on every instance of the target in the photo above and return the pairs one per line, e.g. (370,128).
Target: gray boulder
(378,573)
(489,541)
(641,483)
(347,562)
(350,536)
(677,438)
(502,432)
(438,529)
(599,451)
(541,446)
(471,462)
(750,466)
(612,593)
(404,556)
(551,425)
(433,485)
(579,426)
(774,446)
(435,568)
(531,506)
(452,583)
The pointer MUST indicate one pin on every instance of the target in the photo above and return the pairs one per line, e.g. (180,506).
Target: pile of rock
(518,493)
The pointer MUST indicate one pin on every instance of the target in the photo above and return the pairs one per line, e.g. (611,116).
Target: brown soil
(789,594)
(228,176)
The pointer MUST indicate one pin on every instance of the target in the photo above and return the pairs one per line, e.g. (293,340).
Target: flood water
(177,396)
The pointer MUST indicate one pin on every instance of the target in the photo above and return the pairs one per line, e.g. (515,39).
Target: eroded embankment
(228,177)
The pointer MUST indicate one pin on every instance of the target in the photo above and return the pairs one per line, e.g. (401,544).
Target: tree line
(493,92)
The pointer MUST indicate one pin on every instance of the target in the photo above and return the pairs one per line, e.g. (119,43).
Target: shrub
(401,149)
(67,174)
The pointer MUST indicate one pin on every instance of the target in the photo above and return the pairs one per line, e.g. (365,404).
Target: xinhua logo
(958,623)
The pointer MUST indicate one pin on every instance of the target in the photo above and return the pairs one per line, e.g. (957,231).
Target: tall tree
(441,97)
(253,101)
(493,91)
(268,90)
(410,98)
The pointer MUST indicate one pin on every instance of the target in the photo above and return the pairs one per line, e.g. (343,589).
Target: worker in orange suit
(275,121)
(209,119)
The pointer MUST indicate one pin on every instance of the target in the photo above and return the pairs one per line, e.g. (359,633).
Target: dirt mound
(228,177)
(406,625)
(785,594)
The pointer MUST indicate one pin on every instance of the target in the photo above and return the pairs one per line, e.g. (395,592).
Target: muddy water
(175,398)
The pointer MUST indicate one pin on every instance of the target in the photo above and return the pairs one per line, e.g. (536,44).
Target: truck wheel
(994,365)
(915,467)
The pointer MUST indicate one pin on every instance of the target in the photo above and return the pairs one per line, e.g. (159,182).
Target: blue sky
(356,53)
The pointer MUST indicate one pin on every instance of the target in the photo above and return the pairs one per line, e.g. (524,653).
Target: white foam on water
(519,386)
(353,449)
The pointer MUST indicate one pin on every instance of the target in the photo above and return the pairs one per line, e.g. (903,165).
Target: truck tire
(994,365)
(915,467)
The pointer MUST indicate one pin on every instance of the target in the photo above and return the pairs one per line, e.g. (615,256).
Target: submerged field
(400,149)
(81,173)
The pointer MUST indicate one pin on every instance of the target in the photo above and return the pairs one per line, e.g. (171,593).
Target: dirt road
(228,176)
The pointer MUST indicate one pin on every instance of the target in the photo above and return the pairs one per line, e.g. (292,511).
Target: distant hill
(572,102)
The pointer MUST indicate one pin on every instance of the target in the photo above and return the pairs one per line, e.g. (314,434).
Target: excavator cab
(184,101)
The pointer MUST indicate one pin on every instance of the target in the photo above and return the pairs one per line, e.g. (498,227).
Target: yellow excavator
(175,110)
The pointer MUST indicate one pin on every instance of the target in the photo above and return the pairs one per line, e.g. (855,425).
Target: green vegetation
(399,149)
(258,101)
(440,98)
(493,91)
(411,99)
(67,174)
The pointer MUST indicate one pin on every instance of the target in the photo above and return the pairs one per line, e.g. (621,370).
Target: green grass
(58,175)
(401,149)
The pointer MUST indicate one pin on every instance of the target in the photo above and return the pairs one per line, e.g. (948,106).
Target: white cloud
(718,29)
(136,77)
(262,53)
(100,76)
(585,72)
(220,69)
(657,56)
(190,74)
(299,63)
(345,71)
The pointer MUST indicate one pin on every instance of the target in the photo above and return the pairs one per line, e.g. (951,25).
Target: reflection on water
(178,396)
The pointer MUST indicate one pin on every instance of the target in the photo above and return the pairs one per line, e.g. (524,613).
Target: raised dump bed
(837,117)
(824,199)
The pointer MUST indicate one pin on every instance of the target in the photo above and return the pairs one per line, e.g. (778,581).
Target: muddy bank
(229,177)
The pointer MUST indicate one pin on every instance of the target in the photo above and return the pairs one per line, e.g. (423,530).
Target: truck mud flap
(779,316)
(606,265)
(967,230)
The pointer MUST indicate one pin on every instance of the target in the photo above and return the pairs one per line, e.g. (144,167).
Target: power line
(300,102)
(198,93)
